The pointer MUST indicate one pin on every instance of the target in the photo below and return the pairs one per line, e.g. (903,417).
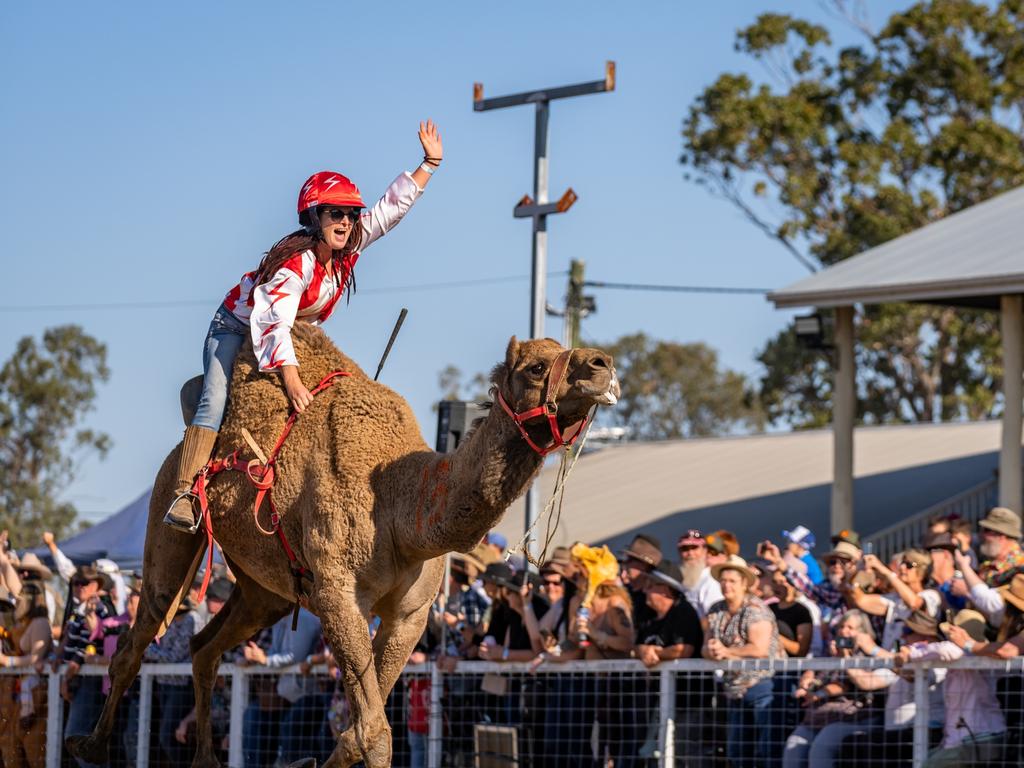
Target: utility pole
(538,208)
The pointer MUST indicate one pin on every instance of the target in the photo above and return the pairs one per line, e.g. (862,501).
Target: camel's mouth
(607,394)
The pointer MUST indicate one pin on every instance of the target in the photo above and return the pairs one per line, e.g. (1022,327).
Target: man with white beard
(699,587)
(1001,557)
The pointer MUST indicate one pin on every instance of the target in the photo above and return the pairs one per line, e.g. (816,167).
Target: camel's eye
(538,369)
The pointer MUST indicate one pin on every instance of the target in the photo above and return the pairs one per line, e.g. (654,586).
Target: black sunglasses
(340,214)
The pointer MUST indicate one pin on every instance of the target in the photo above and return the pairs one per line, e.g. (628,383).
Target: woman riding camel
(300,278)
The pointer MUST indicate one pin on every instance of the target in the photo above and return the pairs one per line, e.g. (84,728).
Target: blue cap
(800,535)
(497,540)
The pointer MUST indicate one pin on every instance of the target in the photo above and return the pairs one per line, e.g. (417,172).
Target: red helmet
(328,188)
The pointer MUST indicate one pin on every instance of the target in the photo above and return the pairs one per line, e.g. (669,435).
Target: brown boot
(194,454)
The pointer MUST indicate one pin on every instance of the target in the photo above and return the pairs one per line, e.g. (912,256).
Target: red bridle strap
(549,410)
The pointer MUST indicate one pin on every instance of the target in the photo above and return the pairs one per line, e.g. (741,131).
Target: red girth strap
(556,376)
(262,477)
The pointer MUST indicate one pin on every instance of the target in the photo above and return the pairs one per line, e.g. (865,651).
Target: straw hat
(1013,591)
(734,563)
(30,562)
(844,550)
(972,622)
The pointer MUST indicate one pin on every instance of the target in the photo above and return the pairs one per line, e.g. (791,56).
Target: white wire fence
(607,713)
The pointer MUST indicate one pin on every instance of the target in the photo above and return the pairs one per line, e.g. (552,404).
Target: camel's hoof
(306,762)
(84,748)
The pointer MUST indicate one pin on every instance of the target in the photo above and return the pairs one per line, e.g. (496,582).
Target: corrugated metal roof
(969,257)
(636,486)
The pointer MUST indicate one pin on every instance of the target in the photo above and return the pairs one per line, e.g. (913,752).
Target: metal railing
(971,504)
(661,684)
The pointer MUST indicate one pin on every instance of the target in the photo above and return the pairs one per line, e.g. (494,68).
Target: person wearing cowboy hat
(740,626)
(673,630)
(974,726)
(894,743)
(1003,557)
(466,609)
(841,566)
(637,560)
(82,636)
(908,592)
(702,590)
(1009,642)
(513,605)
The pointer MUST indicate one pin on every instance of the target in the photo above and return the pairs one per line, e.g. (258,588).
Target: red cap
(329,188)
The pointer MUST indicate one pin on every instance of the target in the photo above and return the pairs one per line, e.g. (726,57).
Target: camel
(367,506)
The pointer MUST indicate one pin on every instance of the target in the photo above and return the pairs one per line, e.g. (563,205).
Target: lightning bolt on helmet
(326,188)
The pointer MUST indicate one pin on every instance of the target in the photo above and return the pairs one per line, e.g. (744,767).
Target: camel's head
(526,382)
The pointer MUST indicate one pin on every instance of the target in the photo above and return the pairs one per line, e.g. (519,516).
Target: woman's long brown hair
(297,242)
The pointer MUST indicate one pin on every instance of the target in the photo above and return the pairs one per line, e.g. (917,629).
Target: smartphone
(844,642)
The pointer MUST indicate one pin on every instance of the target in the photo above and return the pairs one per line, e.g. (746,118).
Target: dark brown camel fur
(367,507)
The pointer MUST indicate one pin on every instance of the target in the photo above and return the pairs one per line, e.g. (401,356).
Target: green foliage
(845,150)
(45,390)
(672,390)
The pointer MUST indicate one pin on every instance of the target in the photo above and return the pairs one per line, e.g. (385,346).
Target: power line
(176,303)
(675,288)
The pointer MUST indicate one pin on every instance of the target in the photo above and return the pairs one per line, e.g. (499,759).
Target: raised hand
(430,140)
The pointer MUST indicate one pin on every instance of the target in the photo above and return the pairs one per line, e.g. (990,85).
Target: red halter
(550,409)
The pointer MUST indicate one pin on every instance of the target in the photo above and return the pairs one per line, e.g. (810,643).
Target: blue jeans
(176,701)
(259,736)
(226,335)
(417,749)
(86,705)
(750,726)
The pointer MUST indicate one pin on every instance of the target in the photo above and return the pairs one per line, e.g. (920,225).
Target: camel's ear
(512,354)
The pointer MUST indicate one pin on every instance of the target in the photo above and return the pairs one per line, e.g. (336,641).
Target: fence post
(921,715)
(54,719)
(239,699)
(667,716)
(145,715)
(434,746)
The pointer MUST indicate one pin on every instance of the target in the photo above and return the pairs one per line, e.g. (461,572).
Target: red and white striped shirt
(303,290)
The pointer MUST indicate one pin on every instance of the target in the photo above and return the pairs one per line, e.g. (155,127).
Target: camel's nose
(599,361)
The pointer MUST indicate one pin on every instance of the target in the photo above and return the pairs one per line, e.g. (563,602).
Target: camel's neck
(461,496)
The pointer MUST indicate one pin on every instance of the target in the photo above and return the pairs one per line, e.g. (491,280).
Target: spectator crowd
(959,593)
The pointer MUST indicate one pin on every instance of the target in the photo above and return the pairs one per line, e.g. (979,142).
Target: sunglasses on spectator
(340,214)
(911,564)
(80,583)
(552,582)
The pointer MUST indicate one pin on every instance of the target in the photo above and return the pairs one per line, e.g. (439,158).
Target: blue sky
(152,152)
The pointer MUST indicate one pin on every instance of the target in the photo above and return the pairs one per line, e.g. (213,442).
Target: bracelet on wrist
(427,168)
(434,161)
(969,646)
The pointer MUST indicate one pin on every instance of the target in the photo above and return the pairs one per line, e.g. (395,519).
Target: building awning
(969,258)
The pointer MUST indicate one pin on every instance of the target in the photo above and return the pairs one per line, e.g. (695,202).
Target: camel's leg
(345,628)
(248,610)
(403,616)
(169,574)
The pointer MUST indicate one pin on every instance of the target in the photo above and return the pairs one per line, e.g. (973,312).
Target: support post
(239,700)
(145,716)
(921,715)
(539,209)
(54,719)
(667,717)
(436,726)
(843,412)
(1012,318)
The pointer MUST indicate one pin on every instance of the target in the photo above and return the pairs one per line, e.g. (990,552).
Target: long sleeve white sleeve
(989,602)
(396,201)
(275,304)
